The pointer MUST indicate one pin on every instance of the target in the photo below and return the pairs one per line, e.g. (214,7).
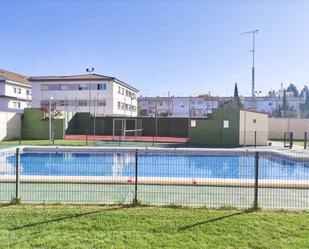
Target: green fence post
(17,154)
(87,137)
(135,201)
(256,182)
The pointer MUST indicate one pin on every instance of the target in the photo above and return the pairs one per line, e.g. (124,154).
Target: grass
(149,227)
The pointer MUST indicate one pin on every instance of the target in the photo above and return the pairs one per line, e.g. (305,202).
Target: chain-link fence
(210,178)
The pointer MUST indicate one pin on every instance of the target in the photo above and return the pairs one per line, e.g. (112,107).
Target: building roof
(247,110)
(71,77)
(10,76)
(81,77)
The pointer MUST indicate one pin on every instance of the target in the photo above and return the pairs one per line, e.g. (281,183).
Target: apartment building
(270,104)
(97,94)
(177,106)
(15,92)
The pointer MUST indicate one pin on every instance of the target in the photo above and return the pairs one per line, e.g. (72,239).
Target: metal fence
(208,178)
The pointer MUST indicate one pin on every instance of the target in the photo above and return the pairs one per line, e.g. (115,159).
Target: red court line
(128,138)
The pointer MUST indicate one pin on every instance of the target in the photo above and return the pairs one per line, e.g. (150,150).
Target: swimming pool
(161,164)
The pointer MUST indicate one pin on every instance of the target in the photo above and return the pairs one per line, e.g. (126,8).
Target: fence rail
(211,178)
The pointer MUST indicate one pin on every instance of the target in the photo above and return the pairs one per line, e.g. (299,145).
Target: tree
(304,91)
(204,95)
(284,104)
(304,107)
(293,88)
(237,100)
(54,112)
(277,113)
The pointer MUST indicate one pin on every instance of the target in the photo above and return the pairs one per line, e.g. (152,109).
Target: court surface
(128,138)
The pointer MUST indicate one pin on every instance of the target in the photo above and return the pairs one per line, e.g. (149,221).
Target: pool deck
(181,181)
(209,192)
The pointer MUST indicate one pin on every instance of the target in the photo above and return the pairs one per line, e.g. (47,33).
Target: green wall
(211,131)
(81,123)
(33,126)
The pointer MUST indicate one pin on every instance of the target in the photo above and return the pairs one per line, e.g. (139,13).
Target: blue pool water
(156,165)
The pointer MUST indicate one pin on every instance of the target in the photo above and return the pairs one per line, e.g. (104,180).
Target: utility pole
(253,32)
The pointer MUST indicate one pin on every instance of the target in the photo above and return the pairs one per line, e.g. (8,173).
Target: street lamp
(50,120)
(89,71)
(255,100)
(258,93)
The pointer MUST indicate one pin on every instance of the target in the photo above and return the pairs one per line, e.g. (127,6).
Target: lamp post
(255,100)
(50,120)
(89,71)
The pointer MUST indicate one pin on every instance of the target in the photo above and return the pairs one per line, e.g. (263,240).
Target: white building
(270,104)
(15,92)
(94,93)
(177,106)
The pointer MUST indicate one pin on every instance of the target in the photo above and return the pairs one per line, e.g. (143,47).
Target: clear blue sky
(185,47)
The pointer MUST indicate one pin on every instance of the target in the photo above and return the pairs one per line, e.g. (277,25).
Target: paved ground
(274,198)
(241,197)
(128,138)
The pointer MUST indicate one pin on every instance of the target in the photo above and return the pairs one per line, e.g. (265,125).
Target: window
(226,124)
(254,121)
(44,87)
(83,87)
(101,86)
(17,90)
(16,104)
(121,106)
(64,87)
(200,102)
(28,92)
(127,93)
(193,123)
(270,104)
(82,102)
(119,90)
(101,103)
(63,103)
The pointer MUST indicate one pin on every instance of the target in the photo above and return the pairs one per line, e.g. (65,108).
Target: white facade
(97,94)
(15,92)
(177,106)
(10,125)
(270,104)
